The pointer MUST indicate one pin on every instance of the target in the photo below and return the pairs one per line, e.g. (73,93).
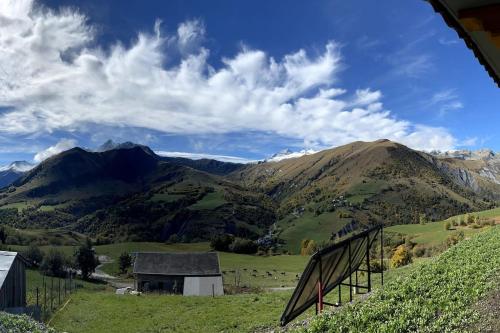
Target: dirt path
(113,281)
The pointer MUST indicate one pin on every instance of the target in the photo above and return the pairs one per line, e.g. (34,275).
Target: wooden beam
(484,18)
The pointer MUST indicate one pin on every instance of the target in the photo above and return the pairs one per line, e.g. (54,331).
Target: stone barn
(189,274)
(12,281)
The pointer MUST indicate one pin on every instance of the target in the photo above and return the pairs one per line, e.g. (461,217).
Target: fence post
(51,293)
(59,291)
(44,295)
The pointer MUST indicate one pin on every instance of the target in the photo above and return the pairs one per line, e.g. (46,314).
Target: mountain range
(127,192)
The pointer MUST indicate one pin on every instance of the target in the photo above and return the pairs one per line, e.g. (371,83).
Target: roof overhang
(477,22)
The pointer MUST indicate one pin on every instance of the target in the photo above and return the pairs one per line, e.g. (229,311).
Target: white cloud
(199,156)
(62,145)
(445,101)
(447,42)
(293,97)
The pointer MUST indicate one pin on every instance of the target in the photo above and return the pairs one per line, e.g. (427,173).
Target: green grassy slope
(436,297)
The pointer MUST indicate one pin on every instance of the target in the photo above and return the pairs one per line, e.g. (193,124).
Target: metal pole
(340,294)
(320,287)
(59,291)
(368,263)
(51,293)
(382,254)
(350,273)
(44,294)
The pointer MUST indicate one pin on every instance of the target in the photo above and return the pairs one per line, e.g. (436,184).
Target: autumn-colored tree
(307,247)
(401,257)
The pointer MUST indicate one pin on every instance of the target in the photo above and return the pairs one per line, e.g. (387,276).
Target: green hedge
(21,324)
(436,296)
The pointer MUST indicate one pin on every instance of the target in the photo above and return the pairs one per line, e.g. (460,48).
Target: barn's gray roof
(183,264)
(6,260)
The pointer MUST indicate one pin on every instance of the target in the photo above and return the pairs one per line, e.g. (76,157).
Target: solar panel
(327,269)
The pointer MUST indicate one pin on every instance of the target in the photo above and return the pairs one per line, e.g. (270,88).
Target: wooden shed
(189,274)
(12,280)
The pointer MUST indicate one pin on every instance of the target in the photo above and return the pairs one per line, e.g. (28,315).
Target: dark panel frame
(363,242)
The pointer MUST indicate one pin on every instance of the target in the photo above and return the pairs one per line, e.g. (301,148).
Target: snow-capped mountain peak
(287,153)
(18,166)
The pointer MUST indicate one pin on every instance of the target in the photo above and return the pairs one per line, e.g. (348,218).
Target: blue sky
(245,78)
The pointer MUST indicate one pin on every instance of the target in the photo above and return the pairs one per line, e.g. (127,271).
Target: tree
(124,262)
(34,255)
(307,247)
(3,235)
(85,259)
(401,257)
(53,264)
(221,242)
(422,219)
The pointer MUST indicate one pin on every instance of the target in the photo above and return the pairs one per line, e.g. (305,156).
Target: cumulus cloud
(62,145)
(52,79)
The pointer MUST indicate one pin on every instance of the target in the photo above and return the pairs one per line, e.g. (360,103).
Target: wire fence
(46,295)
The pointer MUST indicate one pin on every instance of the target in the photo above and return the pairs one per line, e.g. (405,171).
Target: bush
(53,264)
(462,221)
(454,238)
(244,246)
(307,247)
(34,255)
(454,223)
(447,225)
(401,257)
(221,242)
(419,250)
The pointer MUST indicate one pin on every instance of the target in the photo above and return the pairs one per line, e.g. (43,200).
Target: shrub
(34,255)
(307,247)
(419,250)
(244,246)
(462,221)
(454,222)
(221,242)
(422,219)
(54,263)
(401,257)
(447,225)
(454,238)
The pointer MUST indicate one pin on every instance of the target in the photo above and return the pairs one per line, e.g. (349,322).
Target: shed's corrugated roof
(6,260)
(165,263)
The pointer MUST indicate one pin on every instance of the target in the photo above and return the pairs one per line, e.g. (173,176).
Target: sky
(238,80)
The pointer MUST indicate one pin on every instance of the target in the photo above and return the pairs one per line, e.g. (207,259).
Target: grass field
(434,233)
(20,206)
(209,201)
(103,311)
(309,226)
(230,263)
(166,197)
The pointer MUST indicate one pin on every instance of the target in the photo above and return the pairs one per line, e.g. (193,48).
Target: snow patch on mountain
(287,154)
(18,166)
